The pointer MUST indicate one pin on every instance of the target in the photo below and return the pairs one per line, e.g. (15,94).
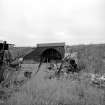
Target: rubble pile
(68,68)
(97,80)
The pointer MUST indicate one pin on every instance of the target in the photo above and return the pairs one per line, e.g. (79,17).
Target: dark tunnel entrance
(50,54)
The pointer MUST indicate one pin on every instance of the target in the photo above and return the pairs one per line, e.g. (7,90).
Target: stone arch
(50,54)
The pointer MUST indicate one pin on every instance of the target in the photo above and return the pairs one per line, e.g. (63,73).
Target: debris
(69,65)
(52,66)
(28,74)
(97,80)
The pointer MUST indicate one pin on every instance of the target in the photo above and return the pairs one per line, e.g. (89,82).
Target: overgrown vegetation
(91,57)
(73,91)
(40,91)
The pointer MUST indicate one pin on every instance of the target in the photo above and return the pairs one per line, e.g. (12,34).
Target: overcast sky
(27,22)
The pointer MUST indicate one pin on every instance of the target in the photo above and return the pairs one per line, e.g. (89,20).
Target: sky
(28,22)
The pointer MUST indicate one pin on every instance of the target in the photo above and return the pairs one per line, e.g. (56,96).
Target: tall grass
(91,57)
(40,91)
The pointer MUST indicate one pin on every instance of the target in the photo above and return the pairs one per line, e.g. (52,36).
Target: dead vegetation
(69,89)
(72,90)
(40,91)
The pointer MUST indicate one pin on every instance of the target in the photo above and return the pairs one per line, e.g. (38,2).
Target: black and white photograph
(52,52)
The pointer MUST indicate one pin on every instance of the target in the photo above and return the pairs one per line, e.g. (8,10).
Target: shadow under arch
(50,54)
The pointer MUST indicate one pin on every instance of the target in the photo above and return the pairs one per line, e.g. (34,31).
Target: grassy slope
(92,56)
(20,51)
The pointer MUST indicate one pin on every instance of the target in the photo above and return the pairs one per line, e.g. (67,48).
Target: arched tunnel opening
(50,54)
